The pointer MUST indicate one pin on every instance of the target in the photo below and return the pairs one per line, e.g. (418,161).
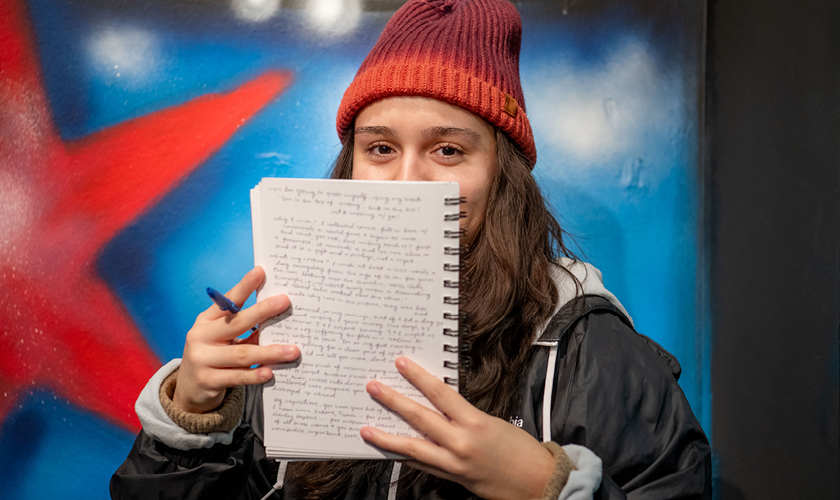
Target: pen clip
(224,303)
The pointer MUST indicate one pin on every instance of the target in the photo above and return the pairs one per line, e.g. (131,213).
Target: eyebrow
(446,131)
(427,133)
(375,130)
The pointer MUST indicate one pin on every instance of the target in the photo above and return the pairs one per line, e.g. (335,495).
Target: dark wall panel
(774,159)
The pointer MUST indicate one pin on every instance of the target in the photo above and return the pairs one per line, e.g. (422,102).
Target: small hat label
(510,106)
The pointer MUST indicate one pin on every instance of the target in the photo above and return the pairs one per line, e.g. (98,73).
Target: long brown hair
(507,293)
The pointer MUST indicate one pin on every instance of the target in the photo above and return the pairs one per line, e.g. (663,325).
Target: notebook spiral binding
(451,267)
(459,250)
(453,217)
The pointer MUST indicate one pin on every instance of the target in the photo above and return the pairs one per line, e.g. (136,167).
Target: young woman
(561,398)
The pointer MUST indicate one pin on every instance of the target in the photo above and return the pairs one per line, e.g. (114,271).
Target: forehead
(421,113)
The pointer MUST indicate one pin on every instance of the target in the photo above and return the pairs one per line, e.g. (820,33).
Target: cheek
(358,168)
(477,195)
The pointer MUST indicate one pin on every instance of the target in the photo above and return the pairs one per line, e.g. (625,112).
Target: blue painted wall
(611,91)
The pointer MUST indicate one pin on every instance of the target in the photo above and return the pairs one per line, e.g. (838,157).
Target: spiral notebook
(371,268)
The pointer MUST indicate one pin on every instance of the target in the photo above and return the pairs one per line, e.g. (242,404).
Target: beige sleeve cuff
(223,419)
(563,466)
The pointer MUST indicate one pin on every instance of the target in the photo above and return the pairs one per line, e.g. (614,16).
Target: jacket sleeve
(154,470)
(174,467)
(617,395)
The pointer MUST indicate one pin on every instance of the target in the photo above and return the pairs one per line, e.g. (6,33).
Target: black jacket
(615,392)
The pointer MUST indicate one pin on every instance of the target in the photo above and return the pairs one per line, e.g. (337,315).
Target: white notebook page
(363,264)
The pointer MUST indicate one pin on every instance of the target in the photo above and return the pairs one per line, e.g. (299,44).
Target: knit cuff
(563,466)
(223,419)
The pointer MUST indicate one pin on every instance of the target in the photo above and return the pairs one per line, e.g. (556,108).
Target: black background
(773,200)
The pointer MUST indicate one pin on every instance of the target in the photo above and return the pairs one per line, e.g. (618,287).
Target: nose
(411,168)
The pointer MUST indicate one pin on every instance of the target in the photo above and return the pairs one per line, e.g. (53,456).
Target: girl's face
(422,139)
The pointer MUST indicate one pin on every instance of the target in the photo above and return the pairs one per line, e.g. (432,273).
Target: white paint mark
(597,112)
(335,17)
(133,50)
(255,10)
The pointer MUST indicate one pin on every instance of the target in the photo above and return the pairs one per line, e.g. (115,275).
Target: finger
(420,450)
(245,355)
(426,421)
(230,327)
(445,398)
(231,377)
(239,293)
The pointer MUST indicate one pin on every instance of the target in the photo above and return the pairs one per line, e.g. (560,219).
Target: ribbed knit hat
(464,52)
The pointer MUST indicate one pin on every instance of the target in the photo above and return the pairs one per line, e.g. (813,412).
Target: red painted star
(62,327)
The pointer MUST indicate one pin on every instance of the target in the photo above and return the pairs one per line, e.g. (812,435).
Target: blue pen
(224,303)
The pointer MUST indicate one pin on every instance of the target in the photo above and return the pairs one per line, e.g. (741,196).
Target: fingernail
(277,300)
(401,363)
(374,389)
(366,433)
(289,350)
(265,374)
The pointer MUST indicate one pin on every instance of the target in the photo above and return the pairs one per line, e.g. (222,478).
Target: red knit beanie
(464,52)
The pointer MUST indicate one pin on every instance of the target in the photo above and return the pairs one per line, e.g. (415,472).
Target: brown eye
(448,151)
(382,149)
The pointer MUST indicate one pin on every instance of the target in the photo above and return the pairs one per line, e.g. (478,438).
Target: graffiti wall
(131,133)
